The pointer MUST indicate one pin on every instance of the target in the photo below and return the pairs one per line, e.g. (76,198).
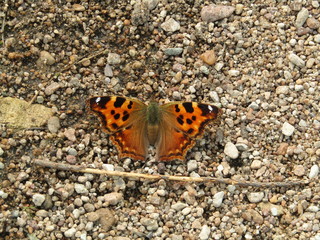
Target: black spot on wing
(125,117)
(119,101)
(114,125)
(208,109)
(190,130)
(117,116)
(130,105)
(112,112)
(177,109)
(180,121)
(194,118)
(189,121)
(188,107)
(99,101)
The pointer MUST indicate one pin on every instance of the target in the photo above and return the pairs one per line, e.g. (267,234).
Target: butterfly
(172,127)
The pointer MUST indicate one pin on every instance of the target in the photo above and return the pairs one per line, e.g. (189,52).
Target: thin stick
(82,169)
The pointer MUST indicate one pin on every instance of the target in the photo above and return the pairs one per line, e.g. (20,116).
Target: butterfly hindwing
(182,123)
(124,119)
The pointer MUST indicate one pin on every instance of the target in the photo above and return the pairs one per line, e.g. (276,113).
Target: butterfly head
(153,113)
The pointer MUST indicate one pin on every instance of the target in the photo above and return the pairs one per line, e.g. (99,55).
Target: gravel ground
(259,61)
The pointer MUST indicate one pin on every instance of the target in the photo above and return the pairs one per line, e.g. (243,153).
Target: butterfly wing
(182,123)
(124,119)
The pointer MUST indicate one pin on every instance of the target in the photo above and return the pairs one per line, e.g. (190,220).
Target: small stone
(52,88)
(108,71)
(42,213)
(299,170)
(86,62)
(113,198)
(287,129)
(252,215)
(204,70)
(170,25)
(93,216)
(205,232)
(78,8)
(176,95)
(173,51)
(192,165)
(302,17)
(186,211)
(214,12)
(70,134)
(296,60)
(231,150)
(179,206)
(113,58)
(38,199)
(217,199)
(80,188)
(233,73)
(45,58)
(282,90)
(314,171)
(282,149)
(3,194)
(313,23)
(255,197)
(209,57)
(70,232)
(72,151)
(214,96)
(256,164)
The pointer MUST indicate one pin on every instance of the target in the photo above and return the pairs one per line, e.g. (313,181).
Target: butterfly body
(172,128)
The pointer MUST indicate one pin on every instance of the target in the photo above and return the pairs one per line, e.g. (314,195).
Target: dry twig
(75,168)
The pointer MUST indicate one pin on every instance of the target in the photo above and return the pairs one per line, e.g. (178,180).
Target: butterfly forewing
(123,118)
(182,123)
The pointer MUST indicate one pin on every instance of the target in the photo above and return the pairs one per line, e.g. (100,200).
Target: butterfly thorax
(153,120)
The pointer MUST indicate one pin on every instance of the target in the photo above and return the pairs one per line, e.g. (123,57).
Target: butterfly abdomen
(153,120)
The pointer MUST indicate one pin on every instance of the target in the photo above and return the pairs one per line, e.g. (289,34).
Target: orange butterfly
(172,128)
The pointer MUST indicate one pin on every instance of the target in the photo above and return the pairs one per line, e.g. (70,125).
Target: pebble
(3,194)
(313,23)
(256,164)
(170,25)
(93,216)
(209,57)
(113,58)
(54,86)
(72,151)
(282,149)
(299,170)
(173,51)
(179,206)
(45,58)
(282,90)
(212,12)
(314,171)
(80,188)
(204,70)
(205,232)
(192,165)
(296,60)
(255,197)
(113,198)
(1,163)
(38,199)
(252,215)
(176,95)
(70,232)
(302,17)
(214,96)
(287,129)
(70,134)
(217,199)
(233,73)
(108,71)
(231,150)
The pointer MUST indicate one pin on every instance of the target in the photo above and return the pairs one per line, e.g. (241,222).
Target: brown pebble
(209,57)
(282,149)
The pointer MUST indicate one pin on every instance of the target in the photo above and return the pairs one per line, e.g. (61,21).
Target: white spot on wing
(98,99)
(210,108)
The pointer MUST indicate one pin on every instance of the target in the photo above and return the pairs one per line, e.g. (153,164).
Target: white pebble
(205,232)
(255,197)
(231,150)
(287,129)
(314,171)
(217,199)
(296,60)
(70,232)
(192,165)
(80,188)
(38,199)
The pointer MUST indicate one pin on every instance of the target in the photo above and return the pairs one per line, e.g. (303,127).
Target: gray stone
(173,51)
(217,199)
(255,197)
(38,199)
(287,129)
(170,25)
(314,171)
(302,17)
(214,12)
(231,150)
(205,232)
(296,60)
